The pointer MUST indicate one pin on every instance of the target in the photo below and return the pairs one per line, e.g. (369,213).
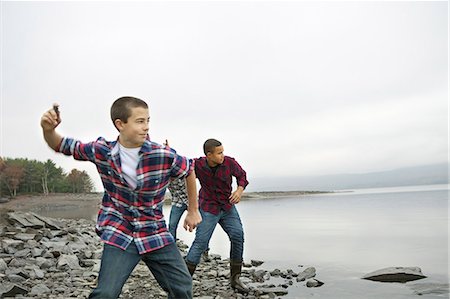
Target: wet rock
(395,274)
(256,263)
(314,283)
(308,273)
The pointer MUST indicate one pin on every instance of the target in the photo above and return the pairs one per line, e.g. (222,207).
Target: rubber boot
(236,283)
(205,256)
(191,268)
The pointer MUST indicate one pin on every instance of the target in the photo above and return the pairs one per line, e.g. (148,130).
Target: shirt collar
(145,148)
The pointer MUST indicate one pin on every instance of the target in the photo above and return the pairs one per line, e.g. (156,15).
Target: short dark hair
(210,145)
(121,108)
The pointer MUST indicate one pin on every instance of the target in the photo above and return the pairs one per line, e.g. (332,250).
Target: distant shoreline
(271,194)
(35,202)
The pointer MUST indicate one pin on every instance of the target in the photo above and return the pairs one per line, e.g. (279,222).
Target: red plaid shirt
(128,215)
(216,187)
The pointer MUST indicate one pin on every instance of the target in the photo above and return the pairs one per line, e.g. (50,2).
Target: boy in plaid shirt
(217,203)
(135,173)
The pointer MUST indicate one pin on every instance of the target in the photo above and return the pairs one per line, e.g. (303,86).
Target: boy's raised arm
(193,217)
(49,121)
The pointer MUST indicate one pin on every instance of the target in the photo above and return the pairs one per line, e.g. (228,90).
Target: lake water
(346,235)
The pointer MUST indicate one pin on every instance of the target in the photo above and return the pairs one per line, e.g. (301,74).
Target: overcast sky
(290,88)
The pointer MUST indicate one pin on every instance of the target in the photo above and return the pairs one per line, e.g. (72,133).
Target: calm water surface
(346,235)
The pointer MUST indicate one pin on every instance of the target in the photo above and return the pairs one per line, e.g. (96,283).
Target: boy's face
(134,132)
(216,157)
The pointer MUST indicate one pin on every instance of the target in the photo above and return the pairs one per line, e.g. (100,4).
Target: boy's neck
(127,144)
(211,163)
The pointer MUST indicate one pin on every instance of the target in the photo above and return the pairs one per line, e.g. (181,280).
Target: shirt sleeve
(77,149)
(181,166)
(240,174)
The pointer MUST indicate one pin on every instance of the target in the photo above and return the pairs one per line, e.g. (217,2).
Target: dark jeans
(174,219)
(166,264)
(231,224)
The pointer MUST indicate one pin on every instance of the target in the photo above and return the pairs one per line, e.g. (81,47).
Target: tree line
(23,176)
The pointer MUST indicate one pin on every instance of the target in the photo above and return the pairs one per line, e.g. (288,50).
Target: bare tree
(12,176)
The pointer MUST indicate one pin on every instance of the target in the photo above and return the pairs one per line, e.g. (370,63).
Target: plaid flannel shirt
(177,188)
(216,187)
(128,215)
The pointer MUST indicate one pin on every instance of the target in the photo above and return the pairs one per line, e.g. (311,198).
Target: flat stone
(314,283)
(24,236)
(50,223)
(25,220)
(395,274)
(276,291)
(256,263)
(39,289)
(70,261)
(11,290)
(3,265)
(308,273)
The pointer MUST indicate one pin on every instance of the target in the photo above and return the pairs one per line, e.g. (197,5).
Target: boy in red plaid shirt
(217,206)
(135,173)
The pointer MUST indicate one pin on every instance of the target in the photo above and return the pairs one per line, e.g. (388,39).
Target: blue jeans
(230,223)
(166,264)
(175,216)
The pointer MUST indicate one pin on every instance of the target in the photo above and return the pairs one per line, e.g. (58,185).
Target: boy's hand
(235,197)
(192,220)
(51,119)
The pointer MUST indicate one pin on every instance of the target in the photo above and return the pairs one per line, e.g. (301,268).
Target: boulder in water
(395,274)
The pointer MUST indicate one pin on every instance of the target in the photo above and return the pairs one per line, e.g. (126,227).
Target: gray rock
(395,274)
(11,290)
(22,253)
(3,265)
(25,220)
(39,289)
(50,223)
(308,273)
(38,273)
(276,291)
(12,244)
(24,236)
(314,283)
(14,278)
(275,272)
(256,263)
(70,261)
(35,252)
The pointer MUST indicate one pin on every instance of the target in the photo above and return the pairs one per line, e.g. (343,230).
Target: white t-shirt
(129,158)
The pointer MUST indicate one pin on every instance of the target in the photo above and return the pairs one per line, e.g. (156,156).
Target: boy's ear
(118,123)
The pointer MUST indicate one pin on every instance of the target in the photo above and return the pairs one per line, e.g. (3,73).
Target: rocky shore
(42,257)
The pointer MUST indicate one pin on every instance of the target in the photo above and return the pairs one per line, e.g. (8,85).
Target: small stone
(314,283)
(256,263)
(39,290)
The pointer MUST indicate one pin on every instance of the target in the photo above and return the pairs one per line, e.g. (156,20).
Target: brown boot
(236,283)
(191,267)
